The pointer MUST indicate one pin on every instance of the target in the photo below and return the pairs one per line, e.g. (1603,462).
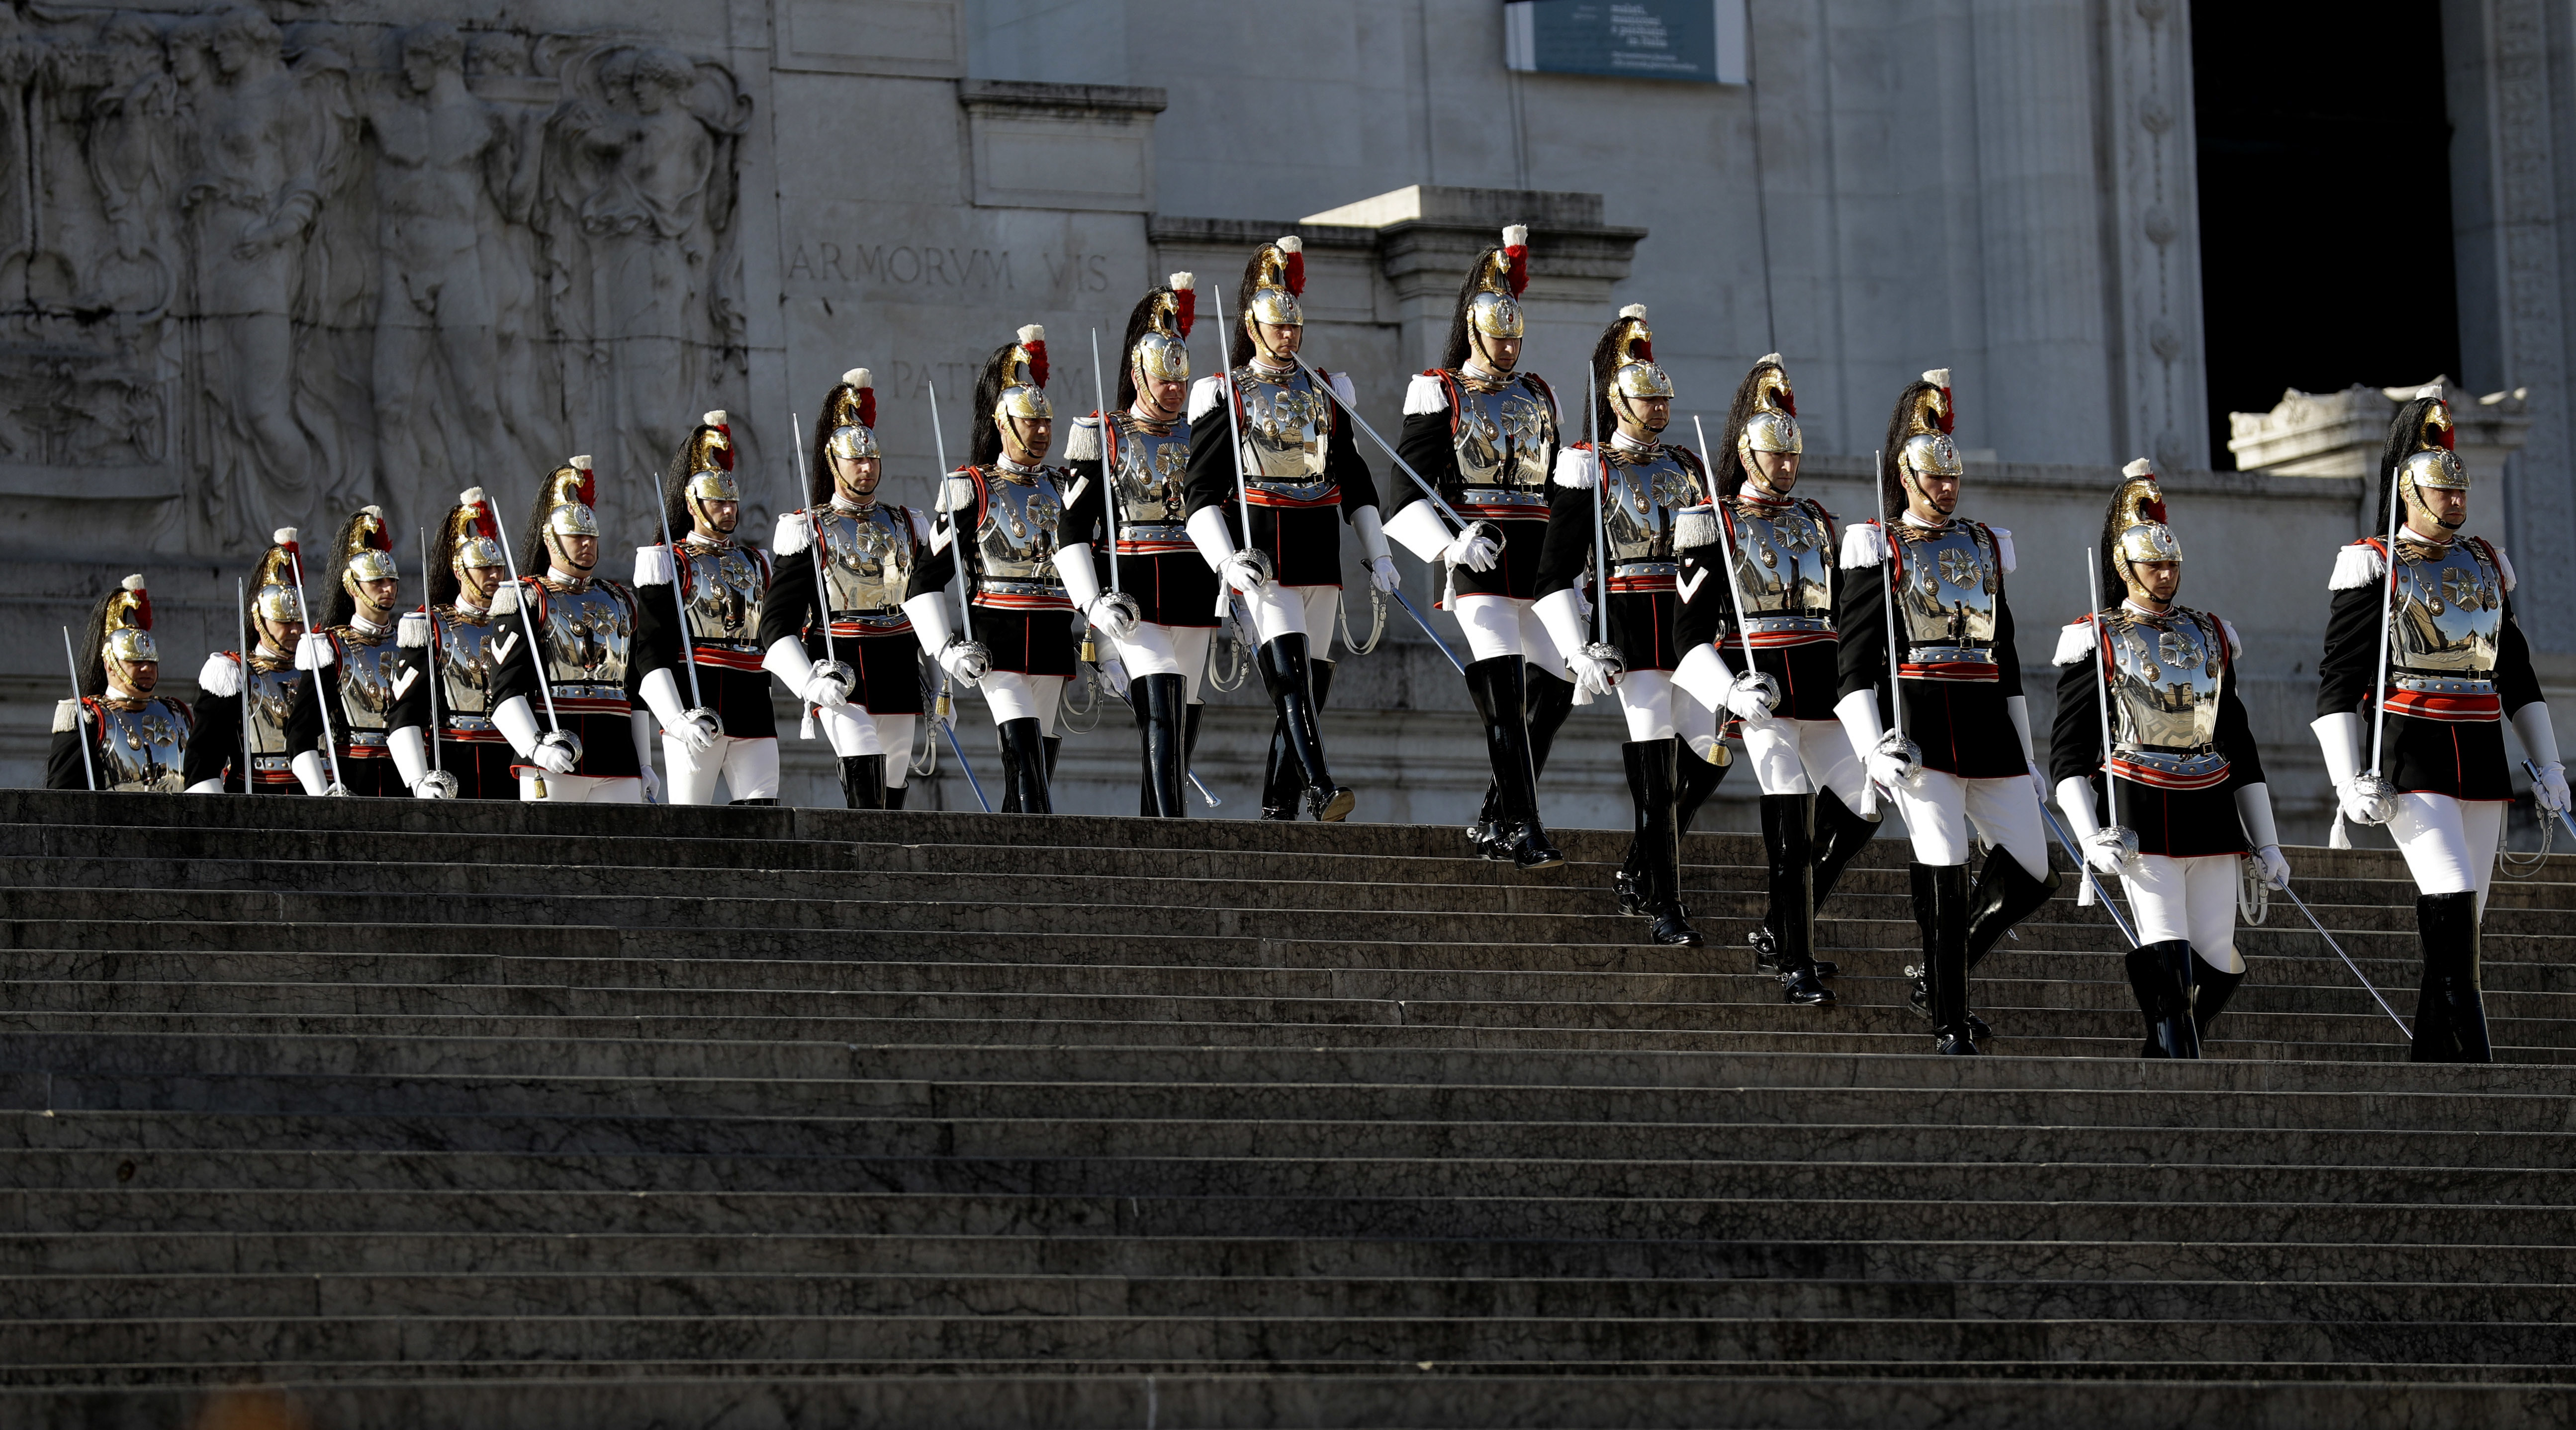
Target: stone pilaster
(2155,215)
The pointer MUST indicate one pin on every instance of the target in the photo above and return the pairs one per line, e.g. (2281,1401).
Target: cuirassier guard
(565,706)
(1641,509)
(712,699)
(2457,671)
(2190,798)
(1296,475)
(138,741)
(460,641)
(1135,471)
(1486,434)
(869,702)
(1009,504)
(1776,553)
(272,637)
(1960,754)
(362,669)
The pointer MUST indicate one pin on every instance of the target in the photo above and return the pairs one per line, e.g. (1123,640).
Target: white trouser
(1506,625)
(1010,695)
(1798,756)
(2449,844)
(854,731)
(749,767)
(1653,705)
(2192,899)
(1179,650)
(1938,808)
(582,789)
(1308,611)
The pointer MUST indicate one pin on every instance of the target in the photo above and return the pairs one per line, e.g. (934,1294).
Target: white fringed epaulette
(221,674)
(2235,642)
(1695,526)
(2004,550)
(957,494)
(653,566)
(794,533)
(2504,568)
(1574,468)
(1083,445)
(412,631)
(505,599)
(1864,544)
(66,716)
(1203,396)
(1341,385)
(2356,565)
(2075,642)
(1425,394)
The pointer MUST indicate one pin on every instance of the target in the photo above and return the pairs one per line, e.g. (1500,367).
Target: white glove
(313,651)
(1245,571)
(311,772)
(2111,851)
(410,754)
(555,754)
(1591,675)
(786,659)
(1893,762)
(1114,614)
(652,785)
(2361,803)
(1383,575)
(433,787)
(2363,799)
(1752,697)
(2550,790)
(1477,548)
(965,661)
(517,723)
(2276,870)
(662,692)
(824,688)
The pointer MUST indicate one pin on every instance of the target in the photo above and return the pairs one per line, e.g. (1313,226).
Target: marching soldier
(1300,474)
(136,740)
(1020,597)
(1642,512)
(1959,754)
(2190,797)
(267,667)
(1486,434)
(459,638)
(2457,670)
(1134,472)
(731,729)
(362,669)
(1780,553)
(870,699)
(562,657)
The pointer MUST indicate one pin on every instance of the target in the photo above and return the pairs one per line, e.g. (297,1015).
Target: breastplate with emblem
(1151,468)
(2449,611)
(2165,673)
(1286,424)
(588,634)
(272,697)
(142,750)
(466,660)
(723,586)
(366,679)
(1015,540)
(1952,587)
(1783,561)
(1505,438)
(867,559)
(1646,491)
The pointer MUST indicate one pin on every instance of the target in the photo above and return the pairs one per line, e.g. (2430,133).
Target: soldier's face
(720,517)
(2159,579)
(857,477)
(479,582)
(1644,417)
(1164,396)
(1501,354)
(1935,497)
(579,553)
(2447,505)
(1025,440)
(136,676)
(279,635)
(1279,340)
(1776,471)
(379,596)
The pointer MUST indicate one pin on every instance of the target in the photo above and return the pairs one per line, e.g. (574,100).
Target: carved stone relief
(295,268)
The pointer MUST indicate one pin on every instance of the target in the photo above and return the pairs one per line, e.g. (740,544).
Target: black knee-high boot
(1497,688)
(1549,701)
(1941,908)
(1027,756)
(1010,772)
(2212,986)
(1788,836)
(894,795)
(1163,767)
(1289,675)
(1280,778)
(1658,840)
(2450,1006)
(2006,894)
(1830,845)
(1695,780)
(2160,974)
(1136,706)
(863,781)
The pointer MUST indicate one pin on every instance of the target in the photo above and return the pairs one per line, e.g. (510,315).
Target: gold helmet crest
(850,417)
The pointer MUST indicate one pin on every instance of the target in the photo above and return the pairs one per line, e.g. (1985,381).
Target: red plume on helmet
(142,600)
(867,407)
(1033,342)
(1788,398)
(484,525)
(589,490)
(1949,410)
(1185,301)
(1516,258)
(1294,272)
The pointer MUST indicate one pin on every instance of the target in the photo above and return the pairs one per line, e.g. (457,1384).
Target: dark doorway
(2325,200)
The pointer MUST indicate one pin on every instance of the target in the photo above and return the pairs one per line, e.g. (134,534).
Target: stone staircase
(373,1114)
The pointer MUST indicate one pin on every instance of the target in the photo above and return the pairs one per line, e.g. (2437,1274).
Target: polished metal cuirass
(1286,424)
(1953,586)
(1784,561)
(589,635)
(143,750)
(2165,673)
(1505,438)
(1151,469)
(466,662)
(724,586)
(1647,491)
(272,698)
(1015,540)
(868,556)
(367,677)
(2449,611)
